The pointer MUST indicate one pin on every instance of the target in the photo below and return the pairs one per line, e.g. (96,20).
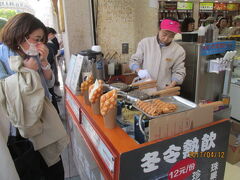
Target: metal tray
(182,105)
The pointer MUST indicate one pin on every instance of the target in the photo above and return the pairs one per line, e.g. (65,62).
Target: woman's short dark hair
(51,30)
(185,23)
(20,27)
(219,21)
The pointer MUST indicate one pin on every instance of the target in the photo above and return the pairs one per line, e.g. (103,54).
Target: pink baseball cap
(170,25)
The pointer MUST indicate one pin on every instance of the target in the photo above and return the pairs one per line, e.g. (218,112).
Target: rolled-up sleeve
(137,58)
(178,69)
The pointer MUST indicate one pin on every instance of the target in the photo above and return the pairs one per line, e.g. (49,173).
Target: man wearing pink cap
(160,58)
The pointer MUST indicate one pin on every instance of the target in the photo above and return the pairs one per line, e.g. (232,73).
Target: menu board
(206,6)
(232,7)
(220,6)
(74,85)
(170,5)
(70,69)
(184,5)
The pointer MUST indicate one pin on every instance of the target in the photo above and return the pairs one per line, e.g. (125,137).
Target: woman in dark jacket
(188,25)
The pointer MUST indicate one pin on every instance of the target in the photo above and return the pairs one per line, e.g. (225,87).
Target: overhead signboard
(206,6)
(184,5)
(232,7)
(170,5)
(220,6)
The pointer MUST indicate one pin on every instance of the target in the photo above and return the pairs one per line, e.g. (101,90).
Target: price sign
(184,5)
(220,6)
(206,6)
(232,7)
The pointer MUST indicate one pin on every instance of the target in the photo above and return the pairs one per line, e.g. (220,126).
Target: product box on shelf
(233,155)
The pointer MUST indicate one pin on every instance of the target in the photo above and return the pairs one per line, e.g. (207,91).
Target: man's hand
(142,73)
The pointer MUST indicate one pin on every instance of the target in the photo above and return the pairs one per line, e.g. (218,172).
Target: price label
(73,105)
(98,143)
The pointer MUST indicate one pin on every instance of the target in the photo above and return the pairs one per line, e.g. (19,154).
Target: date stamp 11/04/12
(207,154)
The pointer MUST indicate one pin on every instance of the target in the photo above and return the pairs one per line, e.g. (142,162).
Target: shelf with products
(180,15)
(178,10)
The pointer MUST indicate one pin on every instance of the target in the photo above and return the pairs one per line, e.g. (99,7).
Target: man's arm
(136,59)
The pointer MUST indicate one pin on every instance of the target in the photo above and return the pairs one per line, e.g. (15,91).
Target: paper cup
(96,106)
(110,118)
(86,98)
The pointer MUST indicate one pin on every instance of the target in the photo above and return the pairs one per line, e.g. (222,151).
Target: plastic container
(201,34)
(189,36)
(95,58)
(209,33)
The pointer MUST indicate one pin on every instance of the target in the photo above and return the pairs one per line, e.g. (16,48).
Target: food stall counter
(116,155)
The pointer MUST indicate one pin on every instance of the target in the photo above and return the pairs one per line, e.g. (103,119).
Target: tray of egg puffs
(162,106)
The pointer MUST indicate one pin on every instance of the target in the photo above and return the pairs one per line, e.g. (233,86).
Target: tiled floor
(232,172)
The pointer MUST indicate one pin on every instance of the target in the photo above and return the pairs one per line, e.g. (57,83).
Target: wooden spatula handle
(144,83)
(166,91)
(171,94)
(215,104)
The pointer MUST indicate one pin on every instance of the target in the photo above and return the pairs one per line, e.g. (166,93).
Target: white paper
(70,70)
(214,66)
(74,85)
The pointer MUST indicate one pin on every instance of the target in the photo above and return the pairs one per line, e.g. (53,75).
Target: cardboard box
(233,155)
(173,124)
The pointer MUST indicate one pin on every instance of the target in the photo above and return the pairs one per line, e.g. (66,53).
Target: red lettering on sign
(182,169)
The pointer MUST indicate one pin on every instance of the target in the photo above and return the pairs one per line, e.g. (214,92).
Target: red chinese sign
(220,6)
(182,169)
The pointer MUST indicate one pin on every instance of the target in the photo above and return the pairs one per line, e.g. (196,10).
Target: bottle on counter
(201,34)
(209,33)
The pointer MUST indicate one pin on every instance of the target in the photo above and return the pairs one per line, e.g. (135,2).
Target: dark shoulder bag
(27,161)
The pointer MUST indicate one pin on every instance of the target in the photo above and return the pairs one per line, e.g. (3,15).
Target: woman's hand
(43,51)
(31,63)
